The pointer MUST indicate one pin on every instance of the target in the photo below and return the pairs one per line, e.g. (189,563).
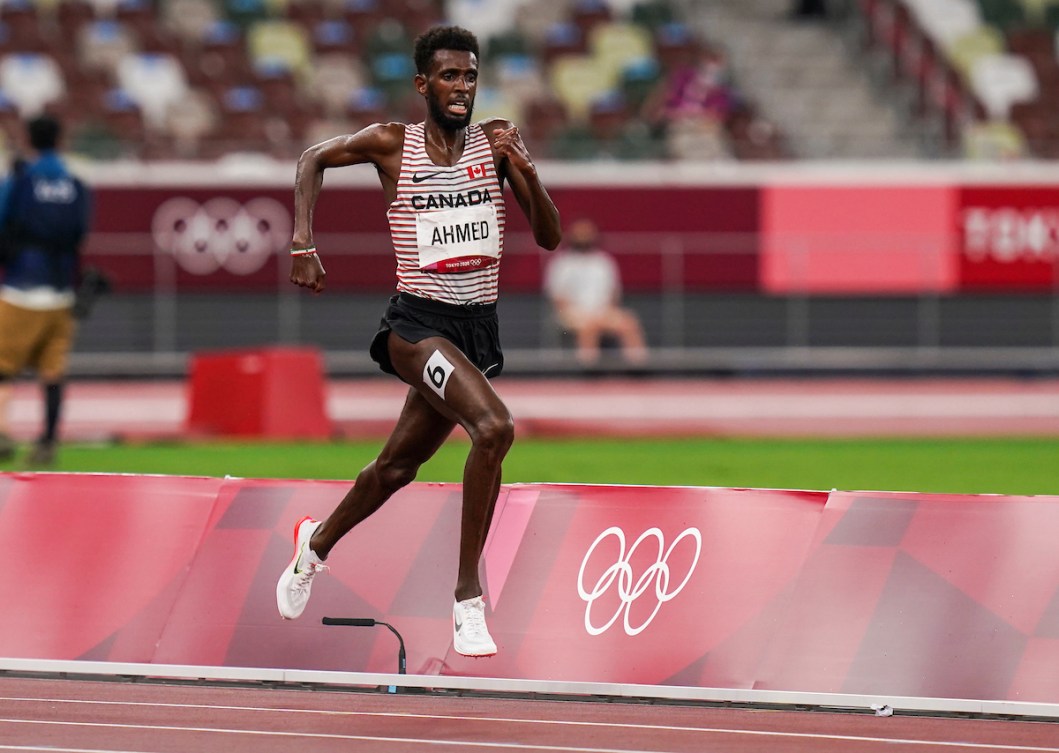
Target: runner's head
(446,59)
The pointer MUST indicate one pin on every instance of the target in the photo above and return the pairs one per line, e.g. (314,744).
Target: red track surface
(69,715)
(645,407)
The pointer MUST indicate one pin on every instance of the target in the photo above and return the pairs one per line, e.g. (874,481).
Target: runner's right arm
(379,144)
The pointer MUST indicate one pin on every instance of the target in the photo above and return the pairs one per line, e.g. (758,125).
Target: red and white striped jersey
(447,223)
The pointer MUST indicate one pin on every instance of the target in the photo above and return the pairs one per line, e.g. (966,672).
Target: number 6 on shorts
(436,373)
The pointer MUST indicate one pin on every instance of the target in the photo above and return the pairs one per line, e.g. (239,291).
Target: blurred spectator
(44,216)
(583,283)
(691,105)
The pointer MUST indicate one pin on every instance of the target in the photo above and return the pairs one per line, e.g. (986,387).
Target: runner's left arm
(521,173)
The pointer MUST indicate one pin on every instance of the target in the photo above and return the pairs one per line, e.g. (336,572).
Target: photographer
(44,217)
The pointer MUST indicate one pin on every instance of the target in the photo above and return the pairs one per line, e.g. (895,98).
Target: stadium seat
(244,13)
(334,36)
(155,82)
(304,13)
(488,18)
(675,44)
(1039,122)
(191,124)
(148,32)
(946,21)
(71,16)
(103,43)
(639,78)
(562,39)
(579,79)
(993,141)
(494,102)
(190,19)
(510,42)
(588,14)
(365,106)
(1036,10)
(278,43)
(544,118)
(999,81)
(363,15)
(653,13)
(23,26)
(519,76)
(332,79)
(31,80)
(615,44)
(965,51)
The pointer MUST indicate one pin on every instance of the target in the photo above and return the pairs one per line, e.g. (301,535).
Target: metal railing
(708,301)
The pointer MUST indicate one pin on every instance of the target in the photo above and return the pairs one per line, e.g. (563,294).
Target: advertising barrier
(774,233)
(851,592)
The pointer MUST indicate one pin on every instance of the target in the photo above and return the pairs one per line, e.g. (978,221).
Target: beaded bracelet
(303,251)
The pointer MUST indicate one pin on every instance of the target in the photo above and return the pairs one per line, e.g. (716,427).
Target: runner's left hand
(508,143)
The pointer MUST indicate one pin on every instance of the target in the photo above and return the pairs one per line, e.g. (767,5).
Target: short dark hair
(44,132)
(442,38)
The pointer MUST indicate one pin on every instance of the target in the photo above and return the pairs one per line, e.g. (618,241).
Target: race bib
(458,240)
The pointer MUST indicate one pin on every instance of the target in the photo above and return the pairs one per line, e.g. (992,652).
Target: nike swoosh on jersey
(442,174)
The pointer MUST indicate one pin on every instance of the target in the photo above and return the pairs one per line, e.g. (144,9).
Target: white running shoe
(292,591)
(470,636)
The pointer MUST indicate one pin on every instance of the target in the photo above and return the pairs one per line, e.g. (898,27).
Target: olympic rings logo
(221,233)
(621,575)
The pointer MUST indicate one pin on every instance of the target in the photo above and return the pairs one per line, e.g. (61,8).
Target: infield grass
(970,465)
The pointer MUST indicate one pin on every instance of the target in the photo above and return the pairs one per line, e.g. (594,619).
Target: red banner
(853,592)
(1009,238)
(236,239)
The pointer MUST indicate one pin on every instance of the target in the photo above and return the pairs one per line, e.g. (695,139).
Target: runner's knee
(395,474)
(494,432)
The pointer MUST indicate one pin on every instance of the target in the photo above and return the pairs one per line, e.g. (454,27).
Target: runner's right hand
(308,272)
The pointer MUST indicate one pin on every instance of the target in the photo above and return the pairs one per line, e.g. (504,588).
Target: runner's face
(450,87)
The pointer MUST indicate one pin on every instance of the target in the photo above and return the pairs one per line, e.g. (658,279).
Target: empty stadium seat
(271,43)
(31,80)
(946,21)
(615,44)
(993,140)
(190,19)
(103,43)
(999,81)
(190,125)
(155,82)
(966,50)
(579,79)
(494,102)
(332,79)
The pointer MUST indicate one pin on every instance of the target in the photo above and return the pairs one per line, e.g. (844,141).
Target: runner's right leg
(419,432)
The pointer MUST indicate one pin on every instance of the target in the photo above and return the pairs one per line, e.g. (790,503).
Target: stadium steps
(801,75)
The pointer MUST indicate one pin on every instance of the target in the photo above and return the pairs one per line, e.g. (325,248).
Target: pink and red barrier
(854,592)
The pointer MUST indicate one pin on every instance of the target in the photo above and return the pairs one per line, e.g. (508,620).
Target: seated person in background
(583,284)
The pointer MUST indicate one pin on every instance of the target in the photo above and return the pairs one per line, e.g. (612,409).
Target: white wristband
(303,251)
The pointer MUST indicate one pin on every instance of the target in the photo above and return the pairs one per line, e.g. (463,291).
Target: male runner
(443,180)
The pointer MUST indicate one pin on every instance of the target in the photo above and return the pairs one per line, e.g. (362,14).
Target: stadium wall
(840,592)
(777,257)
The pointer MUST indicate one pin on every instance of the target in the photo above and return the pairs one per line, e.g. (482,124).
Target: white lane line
(692,407)
(705,731)
(987,405)
(53,749)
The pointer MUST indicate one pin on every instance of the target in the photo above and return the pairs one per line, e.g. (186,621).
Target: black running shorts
(473,328)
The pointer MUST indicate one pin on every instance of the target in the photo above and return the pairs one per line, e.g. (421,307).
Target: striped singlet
(447,223)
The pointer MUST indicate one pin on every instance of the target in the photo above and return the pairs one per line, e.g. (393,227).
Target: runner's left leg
(458,390)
